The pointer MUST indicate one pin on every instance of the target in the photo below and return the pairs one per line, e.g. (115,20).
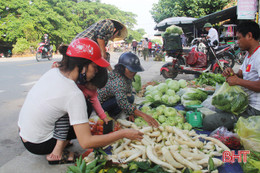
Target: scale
(194,117)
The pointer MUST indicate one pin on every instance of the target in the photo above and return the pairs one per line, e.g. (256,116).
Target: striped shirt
(103,30)
(251,71)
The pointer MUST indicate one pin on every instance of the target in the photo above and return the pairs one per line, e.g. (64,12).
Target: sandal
(64,158)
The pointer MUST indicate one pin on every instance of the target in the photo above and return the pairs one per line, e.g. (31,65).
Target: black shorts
(47,146)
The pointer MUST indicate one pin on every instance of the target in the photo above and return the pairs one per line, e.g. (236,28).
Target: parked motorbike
(43,53)
(239,55)
(197,62)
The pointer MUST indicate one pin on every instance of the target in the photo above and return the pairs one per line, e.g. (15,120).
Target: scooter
(43,53)
(196,62)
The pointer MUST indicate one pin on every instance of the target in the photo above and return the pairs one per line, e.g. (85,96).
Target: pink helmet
(88,49)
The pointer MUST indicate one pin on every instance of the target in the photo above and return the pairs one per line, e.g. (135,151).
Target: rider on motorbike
(46,42)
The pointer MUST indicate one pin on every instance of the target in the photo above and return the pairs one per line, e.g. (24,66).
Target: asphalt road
(17,76)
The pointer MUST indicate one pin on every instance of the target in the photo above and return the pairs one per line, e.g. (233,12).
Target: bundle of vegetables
(137,83)
(169,147)
(166,116)
(210,79)
(253,163)
(230,99)
(173,29)
(193,96)
(164,93)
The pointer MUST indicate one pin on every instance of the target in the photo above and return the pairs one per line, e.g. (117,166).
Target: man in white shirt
(248,76)
(212,34)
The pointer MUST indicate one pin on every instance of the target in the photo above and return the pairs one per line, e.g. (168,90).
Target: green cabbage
(162,87)
(182,83)
(173,29)
(161,118)
(173,84)
(170,92)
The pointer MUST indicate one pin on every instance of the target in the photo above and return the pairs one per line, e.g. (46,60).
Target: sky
(139,7)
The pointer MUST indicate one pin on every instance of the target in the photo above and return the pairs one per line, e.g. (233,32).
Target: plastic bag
(231,140)
(253,163)
(231,99)
(249,132)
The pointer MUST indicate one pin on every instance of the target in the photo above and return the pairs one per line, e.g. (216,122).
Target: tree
(61,19)
(189,8)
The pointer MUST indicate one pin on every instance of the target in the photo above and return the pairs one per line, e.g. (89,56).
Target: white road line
(29,83)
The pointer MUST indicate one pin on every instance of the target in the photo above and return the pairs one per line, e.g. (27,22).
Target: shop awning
(229,13)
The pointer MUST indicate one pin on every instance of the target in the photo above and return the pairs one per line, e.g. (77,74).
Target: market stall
(180,143)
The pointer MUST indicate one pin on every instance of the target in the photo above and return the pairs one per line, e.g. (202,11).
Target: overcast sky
(139,7)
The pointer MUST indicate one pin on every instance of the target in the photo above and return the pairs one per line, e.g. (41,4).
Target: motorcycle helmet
(131,62)
(88,49)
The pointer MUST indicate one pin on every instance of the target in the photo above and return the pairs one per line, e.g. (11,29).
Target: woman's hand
(131,118)
(106,120)
(151,121)
(133,134)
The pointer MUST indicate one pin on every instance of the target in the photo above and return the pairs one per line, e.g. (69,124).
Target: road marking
(29,83)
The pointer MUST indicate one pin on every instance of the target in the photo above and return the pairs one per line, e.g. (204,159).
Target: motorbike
(43,53)
(196,62)
(239,55)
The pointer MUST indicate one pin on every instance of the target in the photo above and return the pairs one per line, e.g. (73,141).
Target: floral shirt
(103,29)
(117,86)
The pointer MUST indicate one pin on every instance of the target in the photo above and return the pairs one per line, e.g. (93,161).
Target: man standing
(103,31)
(248,76)
(145,48)
(212,35)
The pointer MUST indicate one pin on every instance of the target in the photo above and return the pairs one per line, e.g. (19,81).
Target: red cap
(88,49)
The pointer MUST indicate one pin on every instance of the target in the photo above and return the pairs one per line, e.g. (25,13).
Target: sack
(248,129)
(202,60)
(192,57)
(230,99)
(231,140)
(196,59)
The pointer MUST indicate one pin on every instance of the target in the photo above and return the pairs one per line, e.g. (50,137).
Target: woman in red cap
(50,118)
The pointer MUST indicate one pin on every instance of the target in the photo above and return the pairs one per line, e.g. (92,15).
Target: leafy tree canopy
(189,8)
(61,19)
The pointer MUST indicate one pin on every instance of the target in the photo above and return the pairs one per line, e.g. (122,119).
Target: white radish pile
(170,147)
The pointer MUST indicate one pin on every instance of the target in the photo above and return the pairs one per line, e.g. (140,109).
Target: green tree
(190,8)
(61,19)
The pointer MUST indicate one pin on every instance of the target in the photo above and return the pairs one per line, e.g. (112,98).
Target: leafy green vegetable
(137,84)
(182,83)
(230,99)
(173,29)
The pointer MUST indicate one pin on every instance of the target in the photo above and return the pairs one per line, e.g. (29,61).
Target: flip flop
(64,158)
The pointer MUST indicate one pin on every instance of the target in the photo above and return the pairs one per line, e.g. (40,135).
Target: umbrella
(179,21)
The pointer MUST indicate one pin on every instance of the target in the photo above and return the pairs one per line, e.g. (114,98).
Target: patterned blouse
(118,86)
(103,29)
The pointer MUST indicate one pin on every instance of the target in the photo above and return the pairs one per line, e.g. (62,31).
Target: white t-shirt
(50,98)
(251,71)
(213,35)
